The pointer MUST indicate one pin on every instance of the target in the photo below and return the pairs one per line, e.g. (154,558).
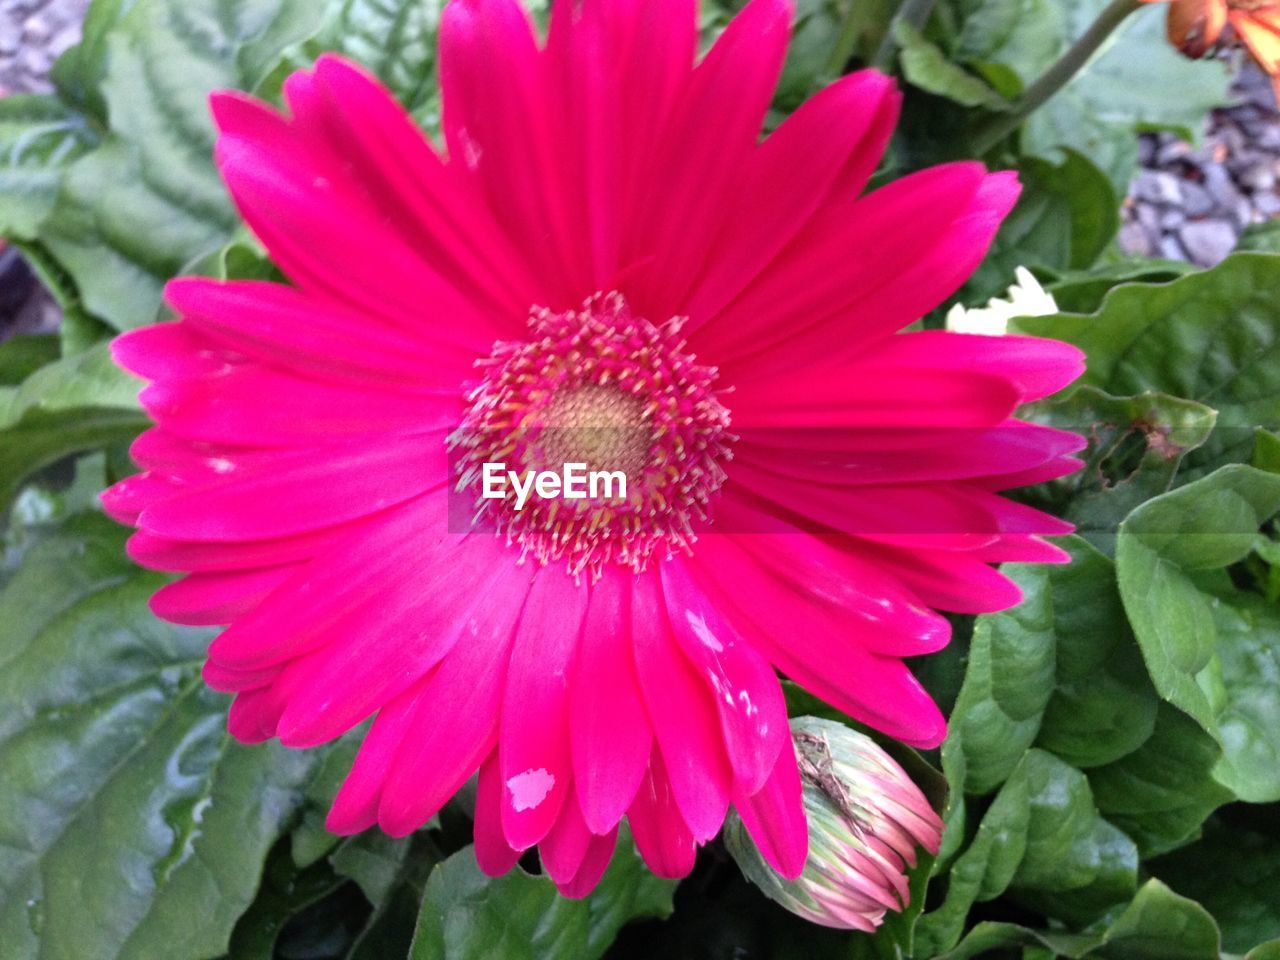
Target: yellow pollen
(599,425)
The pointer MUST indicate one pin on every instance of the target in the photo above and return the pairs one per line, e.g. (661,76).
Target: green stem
(1056,77)
(914,13)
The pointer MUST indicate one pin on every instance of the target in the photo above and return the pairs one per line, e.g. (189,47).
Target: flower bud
(866,818)
(1195,25)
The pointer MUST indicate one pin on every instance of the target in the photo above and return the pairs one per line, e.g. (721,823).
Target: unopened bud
(1195,25)
(866,819)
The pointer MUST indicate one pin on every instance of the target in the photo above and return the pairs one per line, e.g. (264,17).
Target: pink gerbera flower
(609,266)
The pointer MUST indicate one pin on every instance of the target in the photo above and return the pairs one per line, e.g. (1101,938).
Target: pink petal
(564,848)
(661,835)
(497,123)
(830,295)
(832,592)
(1038,366)
(609,730)
(255,405)
(376,561)
(822,153)
(276,324)
(306,493)
(711,135)
(379,647)
(683,712)
(747,695)
(594,863)
(433,206)
(309,213)
(876,690)
(774,816)
(455,724)
(494,855)
(534,739)
(356,806)
(210,599)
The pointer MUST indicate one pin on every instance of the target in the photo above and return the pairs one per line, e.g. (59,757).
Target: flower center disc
(604,388)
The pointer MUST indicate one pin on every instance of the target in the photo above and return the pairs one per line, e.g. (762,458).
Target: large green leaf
(1212,337)
(1065,218)
(1042,841)
(131,825)
(1059,671)
(396,39)
(1157,925)
(1234,871)
(134,212)
(1212,652)
(1138,81)
(1136,447)
(468,916)
(1023,35)
(39,135)
(925,65)
(1162,792)
(79,403)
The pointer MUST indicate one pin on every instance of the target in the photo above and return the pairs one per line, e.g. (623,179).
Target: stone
(1157,187)
(1196,200)
(1170,248)
(10,36)
(1135,241)
(1268,205)
(1259,177)
(1208,242)
(36,31)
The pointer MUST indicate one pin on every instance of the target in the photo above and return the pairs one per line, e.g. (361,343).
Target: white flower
(1026,299)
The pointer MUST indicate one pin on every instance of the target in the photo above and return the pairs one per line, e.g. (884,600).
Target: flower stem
(915,13)
(1056,77)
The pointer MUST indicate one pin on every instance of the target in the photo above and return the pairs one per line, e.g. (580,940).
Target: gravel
(33,34)
(1192,203)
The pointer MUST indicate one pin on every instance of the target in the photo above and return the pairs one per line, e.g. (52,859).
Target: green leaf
(1077,292)
(79,403)
(1136,447)
(286,891)
(1059,671)
(926,66)
(1216,657)
(24,355)
(1157,925)
(1065,218)
(1023,35)
(131,825)
(1234,871)
(1137,82)
(396,40)
(1260,238)
(819,26)
(1160,925)
(1162,792)
(467,915)
(134,212)
(393,875)
(1043,841)
(39,136)
(1212,337)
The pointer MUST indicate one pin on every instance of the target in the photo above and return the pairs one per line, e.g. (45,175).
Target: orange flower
(1196,25)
